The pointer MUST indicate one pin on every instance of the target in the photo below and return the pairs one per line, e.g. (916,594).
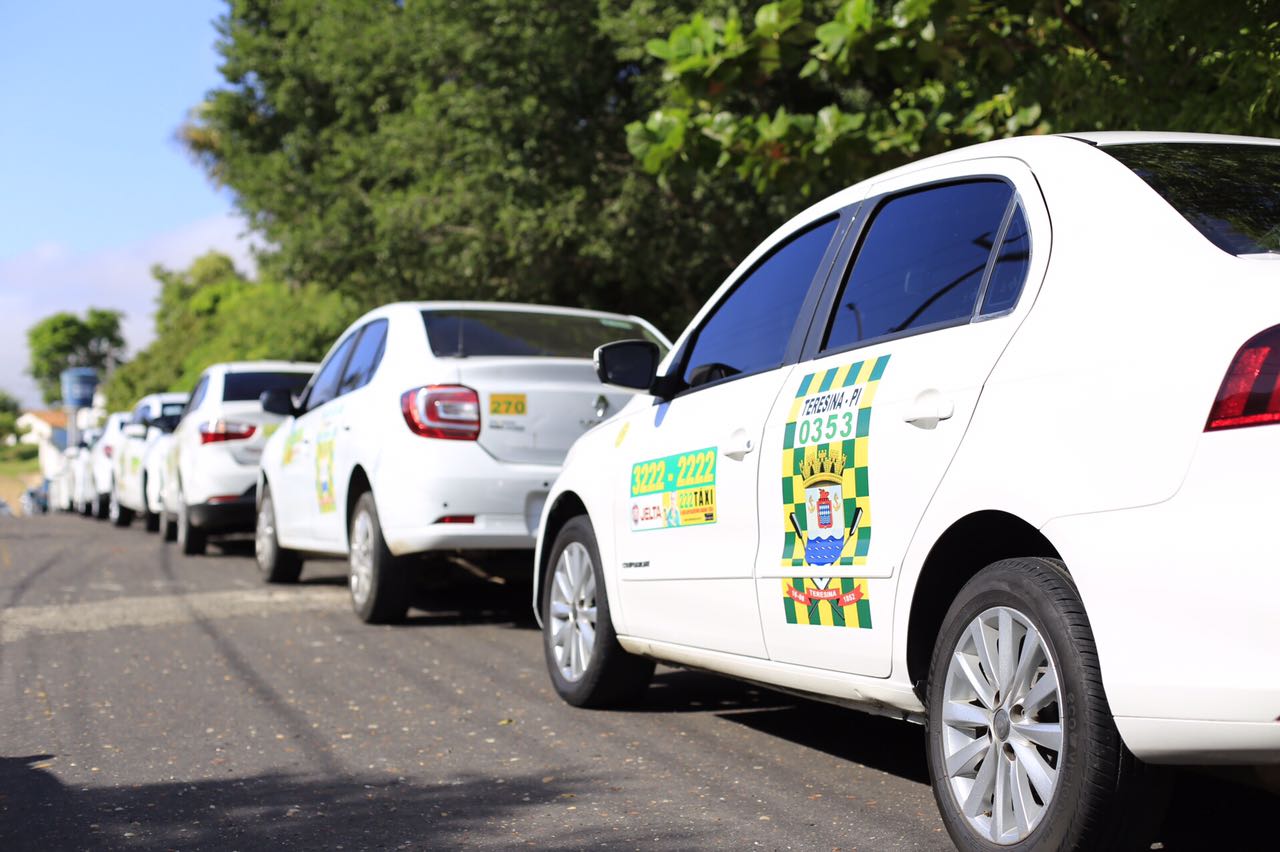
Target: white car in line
(153,416)
(430,426)
(210,478)
(84,493)
(103,461)
(981,442)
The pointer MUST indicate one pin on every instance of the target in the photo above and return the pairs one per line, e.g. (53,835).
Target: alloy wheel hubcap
(573,612)
(361,560)
(1002,725)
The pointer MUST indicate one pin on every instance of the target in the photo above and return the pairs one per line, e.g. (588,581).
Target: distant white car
(84,493)
(211,466)
(61,483)
(430,426)
(103,463)
(152,417)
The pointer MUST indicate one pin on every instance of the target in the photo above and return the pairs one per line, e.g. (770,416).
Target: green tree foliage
(9,410)
(210,312)
(65,340)
(804,98)
(445,149)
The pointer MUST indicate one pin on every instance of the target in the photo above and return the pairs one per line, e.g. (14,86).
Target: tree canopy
(65,340)
(626,154)
(211,312)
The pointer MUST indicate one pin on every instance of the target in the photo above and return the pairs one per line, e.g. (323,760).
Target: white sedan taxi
(980,443)
(430,427)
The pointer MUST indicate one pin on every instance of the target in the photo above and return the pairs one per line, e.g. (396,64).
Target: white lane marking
(162,610)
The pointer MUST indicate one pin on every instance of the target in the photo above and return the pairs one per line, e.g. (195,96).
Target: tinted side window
(365,357)
(197,395)
(921,262)
(1010,269)
(749,330)
(326,384)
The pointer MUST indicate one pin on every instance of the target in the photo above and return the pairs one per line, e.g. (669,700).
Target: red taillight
(1250,392)
(442,411)
(225,430)
(457,519)
(108,450)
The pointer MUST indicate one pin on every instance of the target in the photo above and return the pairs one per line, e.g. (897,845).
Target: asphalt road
(154,701)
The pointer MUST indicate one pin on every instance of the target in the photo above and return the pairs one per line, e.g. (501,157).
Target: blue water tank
(78,385)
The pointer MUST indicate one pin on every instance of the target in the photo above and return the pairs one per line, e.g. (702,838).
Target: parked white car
(153,416)
(103,461)
(1045,373)
(84,493)
(62,482)
(211,478)
(430,426)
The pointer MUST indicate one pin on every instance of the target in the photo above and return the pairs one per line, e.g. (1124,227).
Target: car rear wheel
(168,526)
(101,506)
(276,564)
(117,514)
(378,580)
(587,665)
(191,541)
(150,519)
(1023,752)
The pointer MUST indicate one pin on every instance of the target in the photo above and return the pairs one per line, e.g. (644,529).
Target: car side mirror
(628,363)
(278,401)
(135,430)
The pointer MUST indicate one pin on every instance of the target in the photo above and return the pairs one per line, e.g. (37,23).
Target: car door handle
(737,445)
(929,409)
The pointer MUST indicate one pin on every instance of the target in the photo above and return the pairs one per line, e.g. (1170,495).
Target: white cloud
(49,278)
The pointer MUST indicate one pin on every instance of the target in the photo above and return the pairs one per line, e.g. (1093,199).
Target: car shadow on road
(276,810)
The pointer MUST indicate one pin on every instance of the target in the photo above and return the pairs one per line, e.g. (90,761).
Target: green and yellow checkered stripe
(828,613)
(855,477)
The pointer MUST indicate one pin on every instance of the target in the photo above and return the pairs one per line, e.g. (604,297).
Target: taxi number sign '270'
(674,491)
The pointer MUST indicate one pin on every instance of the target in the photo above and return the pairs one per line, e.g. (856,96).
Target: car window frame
(844,218)
(385,324)
(305,402)
(824,315)
(198,393)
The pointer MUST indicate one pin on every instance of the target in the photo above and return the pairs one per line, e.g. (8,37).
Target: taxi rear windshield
(243,387)
(466,333)
(1229,192)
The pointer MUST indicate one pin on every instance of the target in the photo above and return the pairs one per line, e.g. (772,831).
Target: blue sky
(93,186)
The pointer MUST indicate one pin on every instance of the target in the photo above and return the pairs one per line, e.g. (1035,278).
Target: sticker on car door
(326,497)
(826,494)
(827,601)
(674,491)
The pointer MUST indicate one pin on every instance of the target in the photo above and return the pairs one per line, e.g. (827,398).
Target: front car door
(907,335)
(685,508)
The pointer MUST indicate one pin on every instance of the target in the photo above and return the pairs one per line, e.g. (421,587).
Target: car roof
(494,306)
(162,398)
(259,366)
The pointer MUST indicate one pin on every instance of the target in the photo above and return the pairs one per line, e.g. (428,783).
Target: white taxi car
(430,426)
(153,416)
(102,460)
(981,443)
(211,467)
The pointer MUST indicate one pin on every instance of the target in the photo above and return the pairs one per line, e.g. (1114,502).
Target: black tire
(386,598)
(100,506)
(1103,797)
(612,677)
(276,564)
(117,514)
(191,541)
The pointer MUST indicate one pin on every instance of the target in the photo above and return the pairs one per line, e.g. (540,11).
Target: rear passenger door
(867,425)
(345,436)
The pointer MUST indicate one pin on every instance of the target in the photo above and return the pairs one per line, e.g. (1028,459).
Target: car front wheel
(587,665)
(276,564)
(117,514)
(1023,752)
(378,580)
(191,541)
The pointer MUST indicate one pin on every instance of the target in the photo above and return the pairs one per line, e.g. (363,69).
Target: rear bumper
(1182,597)
(502,502)
(238,515)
